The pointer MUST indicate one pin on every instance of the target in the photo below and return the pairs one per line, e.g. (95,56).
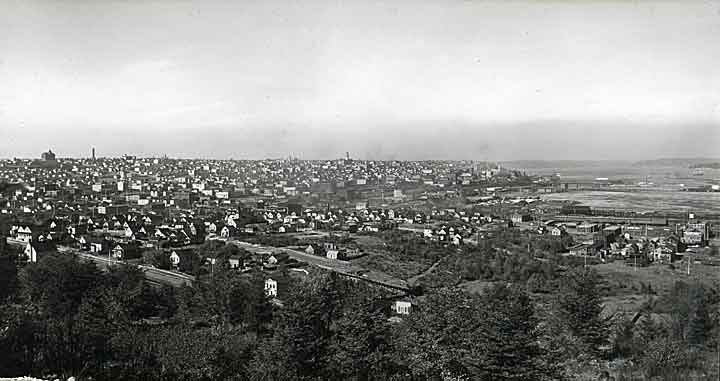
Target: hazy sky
(385,80)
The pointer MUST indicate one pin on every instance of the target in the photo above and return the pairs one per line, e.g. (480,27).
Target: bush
(666,357)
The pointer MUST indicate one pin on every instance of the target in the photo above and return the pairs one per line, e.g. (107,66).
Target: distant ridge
(690,162)
(713,165)
(562,163)
(684,162)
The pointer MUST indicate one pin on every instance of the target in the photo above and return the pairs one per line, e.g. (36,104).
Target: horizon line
(365,159)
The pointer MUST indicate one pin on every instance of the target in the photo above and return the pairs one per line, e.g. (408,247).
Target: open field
(624,282)
(644,201)
(661,277)
(381,257)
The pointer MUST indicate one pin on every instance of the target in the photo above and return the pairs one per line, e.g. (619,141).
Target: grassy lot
(385,262)
(382,258)
(624,284)
(476,286)
(660,277)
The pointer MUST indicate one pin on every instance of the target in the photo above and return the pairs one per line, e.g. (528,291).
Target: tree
(57,283)
(158,258)
(19,340)
(667,358)
(8,274)
(650,330)
(177,352)
(8,265)
(54,289)
(232,298)
(303,333)
(361,346)
(579,304)
(689,306)
(231,360)
(511,338)
(625,343)
(125,282)
(273,351)
(99,317)
(699,323)
(167,301)
(490,337)
(431,335)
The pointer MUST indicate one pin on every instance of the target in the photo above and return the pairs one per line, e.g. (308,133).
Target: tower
(93,153)
(48,156)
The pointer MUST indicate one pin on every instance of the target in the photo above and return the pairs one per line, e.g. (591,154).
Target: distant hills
(714,165)
(697,162)
(562,163)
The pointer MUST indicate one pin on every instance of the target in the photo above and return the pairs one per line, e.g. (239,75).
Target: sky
(396,79)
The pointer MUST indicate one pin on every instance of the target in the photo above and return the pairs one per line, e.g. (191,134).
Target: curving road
(338,266)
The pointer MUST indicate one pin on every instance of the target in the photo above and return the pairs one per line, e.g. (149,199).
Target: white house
(557,231)
(225,232)
(174,259)
(30,253)
(270,287)
(118,252)
(457,240)
(402,307)
(24,234)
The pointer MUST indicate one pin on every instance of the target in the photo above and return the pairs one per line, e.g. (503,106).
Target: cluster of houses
(332,250)
(162,182)
(122,207)
(120,236)
(118,206)
(445,234)
(662,244)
